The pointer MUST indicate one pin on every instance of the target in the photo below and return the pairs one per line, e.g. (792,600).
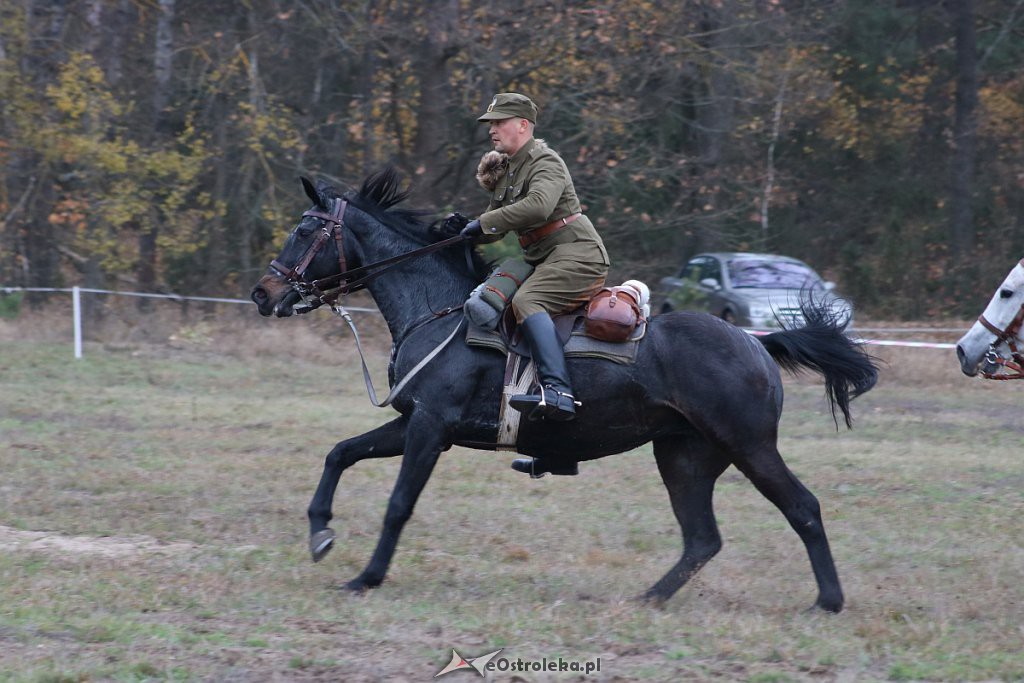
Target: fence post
(76,298)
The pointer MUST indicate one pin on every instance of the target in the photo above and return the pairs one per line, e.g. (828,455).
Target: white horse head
(991,344)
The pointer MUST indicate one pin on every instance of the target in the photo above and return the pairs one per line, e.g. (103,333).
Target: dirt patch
(102,546)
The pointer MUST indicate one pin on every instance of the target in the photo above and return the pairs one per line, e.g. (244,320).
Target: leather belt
(537,234)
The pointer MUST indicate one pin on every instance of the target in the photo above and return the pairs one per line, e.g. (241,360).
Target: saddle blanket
(578,345)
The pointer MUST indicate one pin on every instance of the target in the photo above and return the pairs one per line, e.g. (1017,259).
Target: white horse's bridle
(1008,335)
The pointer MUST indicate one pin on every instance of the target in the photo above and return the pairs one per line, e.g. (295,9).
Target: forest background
(157,144)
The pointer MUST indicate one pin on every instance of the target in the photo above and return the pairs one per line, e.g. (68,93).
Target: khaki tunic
(571,263)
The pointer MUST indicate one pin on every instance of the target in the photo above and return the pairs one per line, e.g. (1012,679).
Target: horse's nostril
(259,295)
(960,352)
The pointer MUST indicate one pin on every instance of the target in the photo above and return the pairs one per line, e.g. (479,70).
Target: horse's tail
(821,345)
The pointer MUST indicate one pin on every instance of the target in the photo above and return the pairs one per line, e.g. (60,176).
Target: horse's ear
(311,192)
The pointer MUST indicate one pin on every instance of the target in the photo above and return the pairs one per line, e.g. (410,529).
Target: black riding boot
(554,399)
(538,467)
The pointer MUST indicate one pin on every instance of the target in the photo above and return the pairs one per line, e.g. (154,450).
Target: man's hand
(472,230)
(453,224)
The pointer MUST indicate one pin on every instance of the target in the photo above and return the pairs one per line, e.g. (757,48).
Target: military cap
(505,105)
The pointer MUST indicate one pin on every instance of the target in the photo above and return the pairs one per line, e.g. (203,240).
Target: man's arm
(534,209)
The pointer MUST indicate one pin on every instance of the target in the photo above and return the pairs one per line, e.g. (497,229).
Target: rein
(1009,337)
(314,295)
(327,290)
(340,311)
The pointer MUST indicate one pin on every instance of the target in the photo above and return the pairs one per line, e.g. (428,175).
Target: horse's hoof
(834,607)
(651,599)
(321,543)
(354,587)
(358,586)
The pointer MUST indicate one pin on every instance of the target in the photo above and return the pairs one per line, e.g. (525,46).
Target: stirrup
(561,407)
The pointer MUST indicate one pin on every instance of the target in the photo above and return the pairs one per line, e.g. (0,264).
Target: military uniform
(535,198)
(571,261)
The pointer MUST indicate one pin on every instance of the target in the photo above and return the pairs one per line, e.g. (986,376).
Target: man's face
(508,135)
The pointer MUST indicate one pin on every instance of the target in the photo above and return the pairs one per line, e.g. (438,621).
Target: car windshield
(761,274)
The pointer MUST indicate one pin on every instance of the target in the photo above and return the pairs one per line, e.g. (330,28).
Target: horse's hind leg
(385,441)
(777,483)
(689,468)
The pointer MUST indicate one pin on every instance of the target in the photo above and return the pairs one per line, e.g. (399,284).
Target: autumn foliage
(160,143)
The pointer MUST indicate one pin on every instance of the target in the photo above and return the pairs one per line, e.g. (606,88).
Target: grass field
(152,526)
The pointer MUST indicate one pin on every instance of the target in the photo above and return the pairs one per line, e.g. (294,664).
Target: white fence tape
(77,304)
(908,344)
(77,316)
(881,342)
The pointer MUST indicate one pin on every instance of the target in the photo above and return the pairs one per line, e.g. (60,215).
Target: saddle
(609,326)
(618,312)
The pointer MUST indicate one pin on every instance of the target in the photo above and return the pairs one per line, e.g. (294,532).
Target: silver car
(760,291)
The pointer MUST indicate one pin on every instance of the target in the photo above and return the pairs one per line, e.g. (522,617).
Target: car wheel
(666,308)
(728,316)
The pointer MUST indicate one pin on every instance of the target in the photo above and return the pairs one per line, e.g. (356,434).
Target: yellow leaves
(1002,110)
(268,127)
(120,182)
(80,90)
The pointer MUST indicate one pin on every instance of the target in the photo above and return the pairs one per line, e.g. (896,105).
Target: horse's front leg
(426,439)
(385,441)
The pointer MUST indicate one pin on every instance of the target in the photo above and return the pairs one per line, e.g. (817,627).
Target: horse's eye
(1005,293)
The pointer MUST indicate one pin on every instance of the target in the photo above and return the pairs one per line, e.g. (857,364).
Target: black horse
(706,393)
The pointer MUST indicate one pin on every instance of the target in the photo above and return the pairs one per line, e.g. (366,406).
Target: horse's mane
(379,195)
(383,189)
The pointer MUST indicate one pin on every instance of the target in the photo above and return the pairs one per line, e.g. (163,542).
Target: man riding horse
(532,194)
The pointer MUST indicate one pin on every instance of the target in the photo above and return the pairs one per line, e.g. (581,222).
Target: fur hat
(491,169)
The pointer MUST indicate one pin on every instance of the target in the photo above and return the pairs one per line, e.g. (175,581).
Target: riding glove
(473,229)
(453,224)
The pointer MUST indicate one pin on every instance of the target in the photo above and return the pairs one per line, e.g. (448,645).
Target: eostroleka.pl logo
(460,662)
(488,662)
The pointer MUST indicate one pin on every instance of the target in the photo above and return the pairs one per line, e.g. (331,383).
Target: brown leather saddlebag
(612,314)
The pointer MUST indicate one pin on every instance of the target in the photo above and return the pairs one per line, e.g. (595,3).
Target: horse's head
(992,342)
(313,251)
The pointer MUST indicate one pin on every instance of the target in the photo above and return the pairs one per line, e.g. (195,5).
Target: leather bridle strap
(328,289)
(332,225)
(1006,336)
(1011,330)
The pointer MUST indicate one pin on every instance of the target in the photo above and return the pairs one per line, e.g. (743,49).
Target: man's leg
(553,400)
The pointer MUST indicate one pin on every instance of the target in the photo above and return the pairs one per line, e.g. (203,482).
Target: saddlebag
(612,314)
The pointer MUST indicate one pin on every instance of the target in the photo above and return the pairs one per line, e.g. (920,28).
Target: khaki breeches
(558,286)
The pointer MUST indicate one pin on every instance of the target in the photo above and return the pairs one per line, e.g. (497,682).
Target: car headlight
(842,308)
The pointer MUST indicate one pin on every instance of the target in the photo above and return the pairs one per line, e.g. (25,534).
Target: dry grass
(211,436)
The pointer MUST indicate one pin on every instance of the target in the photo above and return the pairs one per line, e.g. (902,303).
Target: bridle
(1007,335)
(327,290)
(296,275)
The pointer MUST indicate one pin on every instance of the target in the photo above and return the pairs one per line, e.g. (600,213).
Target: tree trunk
(162,54)
(433,53)
(965,132)
(714,110)
(39,259)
